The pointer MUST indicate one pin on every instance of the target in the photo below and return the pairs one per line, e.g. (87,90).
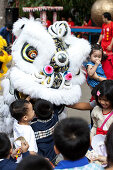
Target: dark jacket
(10,164)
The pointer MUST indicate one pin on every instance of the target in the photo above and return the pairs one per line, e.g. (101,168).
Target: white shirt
(27,132)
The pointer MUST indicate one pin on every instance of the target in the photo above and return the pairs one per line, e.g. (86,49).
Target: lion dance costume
(4,57)
(47,65)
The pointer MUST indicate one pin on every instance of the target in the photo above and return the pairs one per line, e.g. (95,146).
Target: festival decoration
(47,65)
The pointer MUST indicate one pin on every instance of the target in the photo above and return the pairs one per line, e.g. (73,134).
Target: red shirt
(89,23)
(107,32)
(71,23)
(48,23)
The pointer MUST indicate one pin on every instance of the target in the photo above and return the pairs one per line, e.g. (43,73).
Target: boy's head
(34,162)
(9,27)
(43,109)
(22,110)
(72,138)
(5,146)
(106,15)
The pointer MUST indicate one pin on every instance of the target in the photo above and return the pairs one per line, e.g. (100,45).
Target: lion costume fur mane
(46,64)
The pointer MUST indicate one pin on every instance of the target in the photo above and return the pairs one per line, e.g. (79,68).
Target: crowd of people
(43,142)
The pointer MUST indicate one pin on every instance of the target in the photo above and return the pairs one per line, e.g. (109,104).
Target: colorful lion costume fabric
(4,57)
(47,65)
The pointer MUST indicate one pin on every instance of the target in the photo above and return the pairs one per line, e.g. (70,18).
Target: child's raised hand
(97,62)
(16,153)
(24,146)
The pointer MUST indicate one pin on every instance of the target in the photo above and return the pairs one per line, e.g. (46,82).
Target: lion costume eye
(29,53)
(61,58)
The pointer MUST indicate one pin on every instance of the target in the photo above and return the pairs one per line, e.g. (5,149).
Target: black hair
(98,47)
(86,19)
(19,108)
(72,138)
(34,162)
(9,26)
(43,109)
(70,16)
(105,88)
(109,145)
(107,15)
(5,145)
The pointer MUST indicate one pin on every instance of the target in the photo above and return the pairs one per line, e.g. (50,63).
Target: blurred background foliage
(77,9)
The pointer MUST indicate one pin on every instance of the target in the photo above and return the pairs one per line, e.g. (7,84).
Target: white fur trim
(26,83)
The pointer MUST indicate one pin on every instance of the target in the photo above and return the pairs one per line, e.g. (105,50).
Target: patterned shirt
(100,72)
(107,31)
(43,130)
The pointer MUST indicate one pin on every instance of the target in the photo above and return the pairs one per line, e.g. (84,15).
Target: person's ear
(11,151)
(56,150)
(24,118)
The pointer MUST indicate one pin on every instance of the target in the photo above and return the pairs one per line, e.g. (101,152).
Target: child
(94,67)
(72,140)
(44,127)
(103,94)
(6,161)
(34,162)
(23,112)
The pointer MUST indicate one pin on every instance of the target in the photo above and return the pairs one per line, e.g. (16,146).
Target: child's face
(104,102)
(96,55)
(85,23)
(30,113)
(104,19)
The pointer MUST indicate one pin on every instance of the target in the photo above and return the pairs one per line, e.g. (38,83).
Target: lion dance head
(46,64)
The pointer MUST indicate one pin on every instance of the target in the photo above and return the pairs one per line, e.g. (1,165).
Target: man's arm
(100,39)
(81,106)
